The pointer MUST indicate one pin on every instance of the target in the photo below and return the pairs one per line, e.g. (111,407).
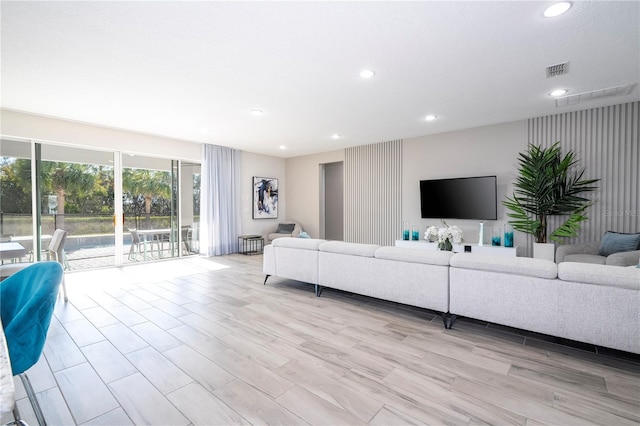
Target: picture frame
(265,198)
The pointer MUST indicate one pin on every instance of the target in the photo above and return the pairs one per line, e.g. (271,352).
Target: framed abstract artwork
(265,198)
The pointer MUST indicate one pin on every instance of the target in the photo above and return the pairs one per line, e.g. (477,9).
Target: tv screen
(460,198)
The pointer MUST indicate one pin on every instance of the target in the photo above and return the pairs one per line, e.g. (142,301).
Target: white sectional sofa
(519,292)
(597,304)
(411,277)
(591,303)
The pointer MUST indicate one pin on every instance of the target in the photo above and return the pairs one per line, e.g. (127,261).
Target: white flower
(443,233)
(431,233)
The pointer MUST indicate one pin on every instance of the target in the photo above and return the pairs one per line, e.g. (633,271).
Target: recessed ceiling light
(431,117)
(204,131)
(336,136)
(257,112)
(282,147)
(367,73)
(558,92)
(557,9)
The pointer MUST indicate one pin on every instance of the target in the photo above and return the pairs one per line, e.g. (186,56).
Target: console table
(461,248)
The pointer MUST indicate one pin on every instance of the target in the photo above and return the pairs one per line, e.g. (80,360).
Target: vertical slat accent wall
(606,141)
(373,193)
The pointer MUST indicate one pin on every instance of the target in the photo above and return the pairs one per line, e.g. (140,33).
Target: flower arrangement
(445,235)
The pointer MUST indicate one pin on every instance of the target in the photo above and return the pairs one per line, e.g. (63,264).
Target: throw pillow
(285,228)
(616,242)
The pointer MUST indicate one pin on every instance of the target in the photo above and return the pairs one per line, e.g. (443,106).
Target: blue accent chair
(27,300)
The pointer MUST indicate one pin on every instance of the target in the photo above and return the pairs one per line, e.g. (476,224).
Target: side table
(250,244)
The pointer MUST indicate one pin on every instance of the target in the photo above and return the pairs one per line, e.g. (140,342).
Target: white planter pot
(546,251)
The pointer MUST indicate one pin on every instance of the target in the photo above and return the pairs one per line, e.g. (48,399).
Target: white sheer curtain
(219,203)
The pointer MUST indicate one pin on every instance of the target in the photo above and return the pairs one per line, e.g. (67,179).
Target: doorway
(332,201)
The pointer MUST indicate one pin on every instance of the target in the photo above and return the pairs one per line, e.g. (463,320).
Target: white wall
(490,150)
(303,188)
(260,165)
(68,133)
(46,129)
(481,151)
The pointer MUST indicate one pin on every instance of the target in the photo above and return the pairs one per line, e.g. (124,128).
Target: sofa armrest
(625,258)
(580,248)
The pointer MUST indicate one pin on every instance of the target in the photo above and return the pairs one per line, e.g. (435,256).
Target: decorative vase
(405,231)
(508,235)
(415,233)
(496,236)
(445,245)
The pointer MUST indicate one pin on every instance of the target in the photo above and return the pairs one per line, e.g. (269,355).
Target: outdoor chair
(28,298)
(186,239)
(135,245)
(55,252)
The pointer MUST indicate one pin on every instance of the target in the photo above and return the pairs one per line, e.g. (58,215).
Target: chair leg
(32,398)
(64,289)
(64,286)
(16,417)
(65,262)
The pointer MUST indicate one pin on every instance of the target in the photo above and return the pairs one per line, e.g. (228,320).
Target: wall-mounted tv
(459,198)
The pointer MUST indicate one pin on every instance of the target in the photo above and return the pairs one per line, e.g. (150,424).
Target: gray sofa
(597,304)
(589,253)
(271,233)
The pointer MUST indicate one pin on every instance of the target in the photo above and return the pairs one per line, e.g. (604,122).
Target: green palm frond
(548,184)
(570,227)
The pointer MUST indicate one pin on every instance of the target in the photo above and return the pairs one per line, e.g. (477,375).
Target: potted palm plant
(548,184)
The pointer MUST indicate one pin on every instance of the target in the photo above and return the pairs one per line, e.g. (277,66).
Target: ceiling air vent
(594,95)
(557,69)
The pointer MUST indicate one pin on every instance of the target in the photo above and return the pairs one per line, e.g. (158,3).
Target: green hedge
(78,224)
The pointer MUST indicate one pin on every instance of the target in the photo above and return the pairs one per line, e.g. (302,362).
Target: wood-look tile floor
(202,341)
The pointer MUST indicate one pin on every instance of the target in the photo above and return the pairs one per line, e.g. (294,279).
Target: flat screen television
(459,198)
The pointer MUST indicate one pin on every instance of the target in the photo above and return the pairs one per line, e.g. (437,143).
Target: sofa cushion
(353,249)
(285,228)
(401,254)
(585,258)
(509,265)
(274,235)
(614,276)
(301,243)
(616,242)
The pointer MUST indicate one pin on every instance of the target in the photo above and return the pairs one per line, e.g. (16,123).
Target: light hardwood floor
(202,341)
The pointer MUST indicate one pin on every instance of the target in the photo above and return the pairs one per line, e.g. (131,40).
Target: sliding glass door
(149,204)
(47,187)
(76,192)
(16,201)
(189,208)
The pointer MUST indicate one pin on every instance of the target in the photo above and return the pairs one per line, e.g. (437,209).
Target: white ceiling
(176,68)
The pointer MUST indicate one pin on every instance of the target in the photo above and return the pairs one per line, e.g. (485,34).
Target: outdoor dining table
(12,250)
(149,234)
